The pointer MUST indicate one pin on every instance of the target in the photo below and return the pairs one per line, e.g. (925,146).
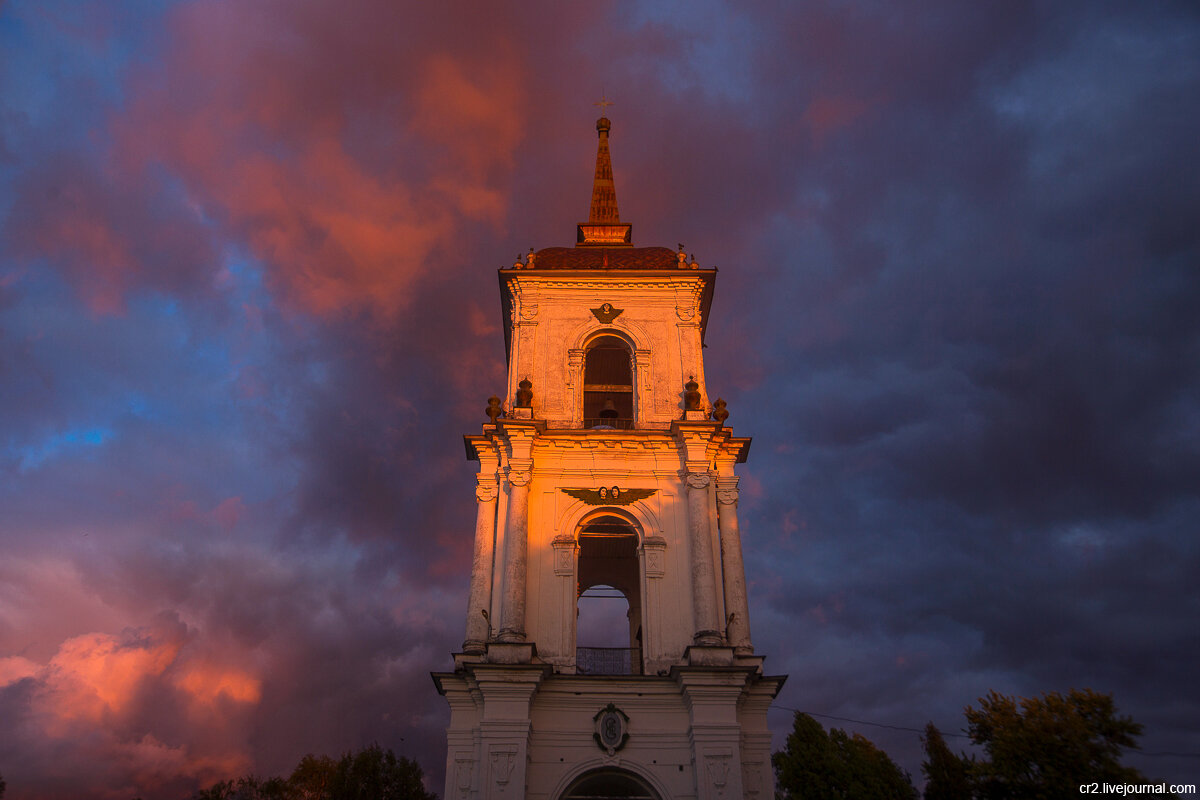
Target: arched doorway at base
(609,784)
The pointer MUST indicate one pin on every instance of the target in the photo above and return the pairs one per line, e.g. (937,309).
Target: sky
(248,307)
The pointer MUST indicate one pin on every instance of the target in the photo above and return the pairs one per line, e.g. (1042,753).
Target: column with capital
(478,625)
(516,537)
(704,601)
(736,601)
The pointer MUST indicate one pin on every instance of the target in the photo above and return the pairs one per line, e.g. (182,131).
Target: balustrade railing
(607,422)
(608,660)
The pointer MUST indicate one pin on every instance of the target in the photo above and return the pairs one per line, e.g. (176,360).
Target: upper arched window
(608,384)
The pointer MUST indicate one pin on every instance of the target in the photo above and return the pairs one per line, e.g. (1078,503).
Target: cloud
(344,171)
(94,700)
(249,309)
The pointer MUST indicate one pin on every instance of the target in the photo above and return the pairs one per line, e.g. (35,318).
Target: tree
(377,774)
(372,773)
(1046,747)
(246,788)
(947,776)
(311,778)
(815,765)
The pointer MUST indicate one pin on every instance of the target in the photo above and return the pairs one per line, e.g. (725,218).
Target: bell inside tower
(608,385)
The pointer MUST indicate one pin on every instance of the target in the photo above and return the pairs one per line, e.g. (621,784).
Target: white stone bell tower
(607,466)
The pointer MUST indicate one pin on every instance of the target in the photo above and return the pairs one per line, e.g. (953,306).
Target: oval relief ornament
(612,728)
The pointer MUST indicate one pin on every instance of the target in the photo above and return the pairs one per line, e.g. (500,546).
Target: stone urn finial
(493,410)
(691,397)
(720,413)
(525,394)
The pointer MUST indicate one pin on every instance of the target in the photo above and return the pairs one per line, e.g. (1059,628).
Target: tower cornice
(609,279)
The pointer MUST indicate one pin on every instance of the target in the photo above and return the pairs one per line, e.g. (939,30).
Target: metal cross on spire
(604,102)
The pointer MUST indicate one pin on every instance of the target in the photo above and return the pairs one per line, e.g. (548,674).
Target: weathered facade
(607,465)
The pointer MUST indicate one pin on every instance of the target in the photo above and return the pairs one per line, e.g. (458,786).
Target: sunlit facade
(607,474)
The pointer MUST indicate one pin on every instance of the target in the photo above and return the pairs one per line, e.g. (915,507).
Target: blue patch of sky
(73,441)
(95,43)
(247,284)
(160,379)
(46,66)
(718,41)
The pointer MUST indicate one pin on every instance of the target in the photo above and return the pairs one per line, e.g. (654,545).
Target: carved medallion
(612,728)
(606,313)
(610,495)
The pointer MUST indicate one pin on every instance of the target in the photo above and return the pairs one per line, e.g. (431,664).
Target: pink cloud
(271,151)
(155,706)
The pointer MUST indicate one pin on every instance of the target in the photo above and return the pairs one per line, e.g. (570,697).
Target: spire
(604,192)
(604,225)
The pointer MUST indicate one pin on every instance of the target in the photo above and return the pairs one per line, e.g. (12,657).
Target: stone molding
(693,284)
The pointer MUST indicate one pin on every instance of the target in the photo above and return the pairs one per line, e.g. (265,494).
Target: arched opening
(603,617)
(603,784)
(608,384)
(609,589)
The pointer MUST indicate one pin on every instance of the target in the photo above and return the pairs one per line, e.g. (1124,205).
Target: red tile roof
(605,258)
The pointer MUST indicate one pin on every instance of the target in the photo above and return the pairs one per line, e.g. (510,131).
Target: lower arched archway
(608,783)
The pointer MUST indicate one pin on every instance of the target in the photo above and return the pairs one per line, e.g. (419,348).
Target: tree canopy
(370,774)
(815,765)
(1041,747)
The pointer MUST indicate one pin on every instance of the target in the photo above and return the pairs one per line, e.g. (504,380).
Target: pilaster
(758,777)
(712,697)
(495,700)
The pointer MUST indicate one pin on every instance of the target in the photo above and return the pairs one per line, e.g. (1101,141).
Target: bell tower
(607,468)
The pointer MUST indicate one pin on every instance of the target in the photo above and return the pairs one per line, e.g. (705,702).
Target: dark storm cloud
(249,310)
(981,356)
